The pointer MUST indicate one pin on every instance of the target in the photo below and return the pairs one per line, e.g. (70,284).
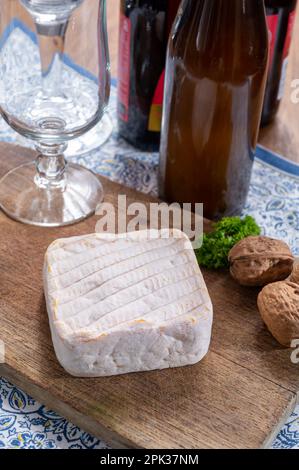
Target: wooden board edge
(71,414)
(99,431)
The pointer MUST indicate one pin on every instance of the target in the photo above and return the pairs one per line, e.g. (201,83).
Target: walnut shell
(278,304)
(295,274)
(257,261)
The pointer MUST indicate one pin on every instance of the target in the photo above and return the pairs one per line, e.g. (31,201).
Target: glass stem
(51,166)
(51,39)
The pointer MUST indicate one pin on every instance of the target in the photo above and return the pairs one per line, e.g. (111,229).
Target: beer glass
(51,92)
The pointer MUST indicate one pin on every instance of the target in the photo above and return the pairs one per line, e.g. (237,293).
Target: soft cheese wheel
(126,303)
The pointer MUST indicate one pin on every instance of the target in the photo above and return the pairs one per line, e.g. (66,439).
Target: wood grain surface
(237,397)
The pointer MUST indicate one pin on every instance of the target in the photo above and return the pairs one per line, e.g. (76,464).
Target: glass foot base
(23,200)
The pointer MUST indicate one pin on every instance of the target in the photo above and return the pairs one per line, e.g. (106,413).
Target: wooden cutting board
(237,397)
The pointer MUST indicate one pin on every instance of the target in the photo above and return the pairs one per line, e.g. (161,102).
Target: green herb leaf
(227,232)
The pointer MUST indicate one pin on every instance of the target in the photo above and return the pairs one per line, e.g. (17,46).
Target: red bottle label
(124,67)
(272,26)
(155,118)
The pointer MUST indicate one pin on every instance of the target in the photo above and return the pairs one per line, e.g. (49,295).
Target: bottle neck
(230,36)
(222,14)
(234,7)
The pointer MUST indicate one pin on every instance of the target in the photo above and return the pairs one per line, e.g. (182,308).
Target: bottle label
(273,21)
(155,118)
(124,67)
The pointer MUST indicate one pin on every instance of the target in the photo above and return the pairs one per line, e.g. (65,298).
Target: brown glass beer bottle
(214,89)
(143,36)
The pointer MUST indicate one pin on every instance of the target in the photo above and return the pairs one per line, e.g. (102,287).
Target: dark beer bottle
(280,19)
(144,31)
(214,88)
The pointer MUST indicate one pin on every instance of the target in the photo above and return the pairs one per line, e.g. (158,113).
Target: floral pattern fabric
(274,202)
(26,424)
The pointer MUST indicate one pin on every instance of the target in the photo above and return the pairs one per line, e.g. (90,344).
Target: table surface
(281,136)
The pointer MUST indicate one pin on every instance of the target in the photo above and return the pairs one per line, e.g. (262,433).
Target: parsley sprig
(227,232)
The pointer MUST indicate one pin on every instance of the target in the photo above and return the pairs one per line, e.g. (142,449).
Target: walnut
(295,274)
(279,307)
(257,261)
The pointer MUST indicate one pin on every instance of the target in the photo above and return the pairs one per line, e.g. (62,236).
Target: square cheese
(126,303)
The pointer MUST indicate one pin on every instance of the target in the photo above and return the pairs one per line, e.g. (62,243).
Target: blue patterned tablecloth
(274,202)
